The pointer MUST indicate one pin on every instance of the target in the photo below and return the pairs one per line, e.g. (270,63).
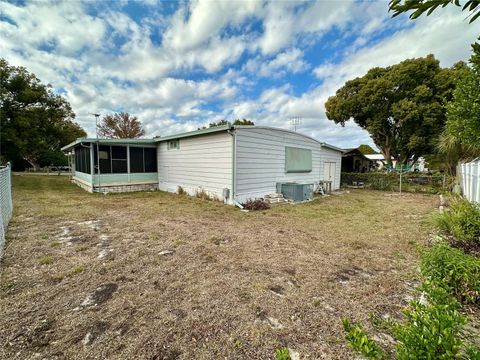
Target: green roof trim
(194,133)
(109,141)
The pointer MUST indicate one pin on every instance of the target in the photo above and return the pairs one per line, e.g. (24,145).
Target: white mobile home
(232,163)
(248,161)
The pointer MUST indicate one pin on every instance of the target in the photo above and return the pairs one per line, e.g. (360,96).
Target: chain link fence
(6,205)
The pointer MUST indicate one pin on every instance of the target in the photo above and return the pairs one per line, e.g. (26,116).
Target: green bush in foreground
(282,354)
(430,330)
(462,221)
(454,271)
(360,342)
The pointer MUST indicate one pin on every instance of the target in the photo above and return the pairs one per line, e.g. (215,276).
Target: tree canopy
(120,125)
(366,149)
(402,106)
(34,122)
(418,7)
(463,112)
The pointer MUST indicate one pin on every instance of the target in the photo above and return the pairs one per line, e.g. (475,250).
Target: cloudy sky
(180,65)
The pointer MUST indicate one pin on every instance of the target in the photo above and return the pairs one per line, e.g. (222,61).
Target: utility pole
(98,151)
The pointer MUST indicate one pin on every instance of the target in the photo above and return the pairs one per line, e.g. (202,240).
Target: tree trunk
(385,150)
(35,165)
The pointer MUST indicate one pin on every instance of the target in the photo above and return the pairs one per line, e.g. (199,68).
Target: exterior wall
(260,161)
(83,180)
(125,179)
(330,155)
(202,162)
(83,184)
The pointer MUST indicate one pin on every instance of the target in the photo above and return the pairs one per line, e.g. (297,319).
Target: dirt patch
(277,290)
(102,294)
(270,321)
(94,331)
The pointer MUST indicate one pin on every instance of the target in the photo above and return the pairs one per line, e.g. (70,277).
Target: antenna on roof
(295,121)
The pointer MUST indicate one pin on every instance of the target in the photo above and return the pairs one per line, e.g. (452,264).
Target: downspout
(231,131)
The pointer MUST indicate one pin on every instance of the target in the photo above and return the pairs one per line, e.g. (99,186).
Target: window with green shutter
(298,160)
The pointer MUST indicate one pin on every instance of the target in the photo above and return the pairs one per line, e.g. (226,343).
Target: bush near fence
(411,182)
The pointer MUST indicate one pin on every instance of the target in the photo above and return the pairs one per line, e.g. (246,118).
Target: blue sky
(180,65)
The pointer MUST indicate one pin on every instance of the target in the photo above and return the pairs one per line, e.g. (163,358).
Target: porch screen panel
(150,158)
(119,159)
(82,159)
(136,160)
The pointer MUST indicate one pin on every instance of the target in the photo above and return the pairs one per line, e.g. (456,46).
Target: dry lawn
(88,276)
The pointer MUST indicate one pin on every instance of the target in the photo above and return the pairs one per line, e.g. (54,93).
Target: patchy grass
(237,285)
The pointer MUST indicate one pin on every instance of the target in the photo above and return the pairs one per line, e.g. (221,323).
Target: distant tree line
(225,122)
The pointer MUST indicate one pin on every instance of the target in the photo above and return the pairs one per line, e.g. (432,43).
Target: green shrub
(462,221)
(430,330)
(360,342)
(282,354)
(453,270)
(473,353)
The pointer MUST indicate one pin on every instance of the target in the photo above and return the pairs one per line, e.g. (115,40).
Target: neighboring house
(233,163)
(379,160)
(353,160)
(420,165)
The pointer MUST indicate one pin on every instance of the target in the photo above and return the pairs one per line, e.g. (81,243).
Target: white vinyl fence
(470,180)
(6,205)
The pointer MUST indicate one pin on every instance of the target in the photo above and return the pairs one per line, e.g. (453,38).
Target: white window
(173,144)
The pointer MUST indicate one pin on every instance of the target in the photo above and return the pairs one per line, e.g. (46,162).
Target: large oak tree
(463,112)
(34,121)
(402,106)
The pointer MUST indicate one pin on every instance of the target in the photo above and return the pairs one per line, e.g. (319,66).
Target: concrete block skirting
(82,184)
(127,188)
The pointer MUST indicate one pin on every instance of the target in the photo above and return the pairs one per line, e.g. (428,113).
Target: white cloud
(113,61)
(289,61)
(447,36)
(193,25)
(38,25)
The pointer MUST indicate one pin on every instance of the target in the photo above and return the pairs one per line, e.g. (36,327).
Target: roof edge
(199,132)
(327,145)
(107,141)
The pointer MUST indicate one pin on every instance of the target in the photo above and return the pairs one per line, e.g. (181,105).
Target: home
(353,160)
(231,163)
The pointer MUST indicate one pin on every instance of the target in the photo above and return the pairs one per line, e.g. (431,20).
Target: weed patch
(454,271)
(462,222)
